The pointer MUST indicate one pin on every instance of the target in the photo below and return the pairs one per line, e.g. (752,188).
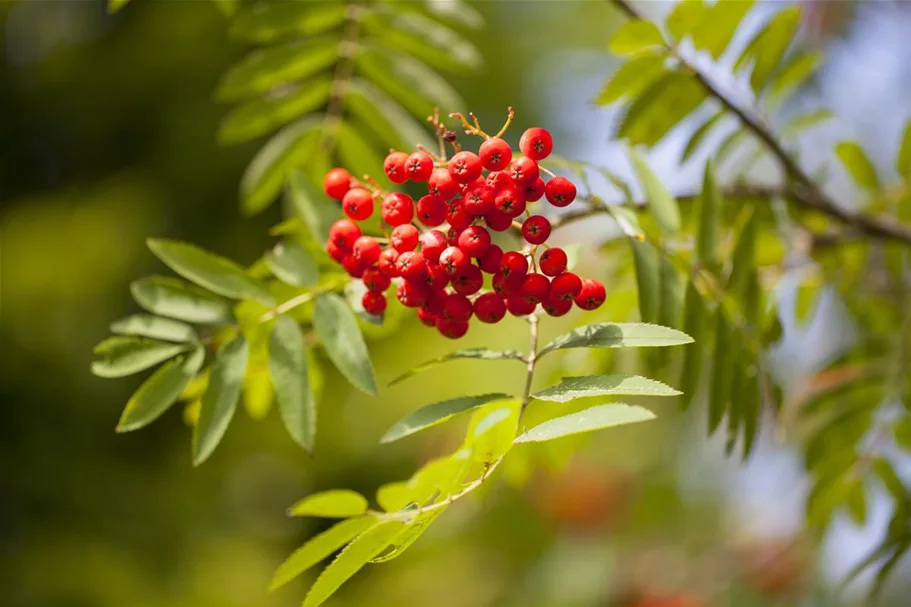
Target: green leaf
(409,535)
(767,48)
(452,11)
(855,160)
(419,36)
(722,370)
(794,74)
(645,258)
(292,264)
(694,321)
(804,121)
(122,356)
(492,431)
(336,503)
(632,78)
(886,473)
(261,116)
(718,24)
(407,80)
(356,153)
(634,36)
(671,297)
(220,399)
(155,327)
(337,329)
(744,259)
(160,391)
(857,502)
(729,145)
(661,203)
(266,22)
(219,275)
(319,548)
(902,430)
(290,376)
(350,560)
(626,220)
(395,126)
(313,207)
(707,251)
(699,136)
(660,108)
(604,385)
(588,420)
(174,298)
(617,335)
(116,5)
(752,410)
(685,18)
(903,160)
(473,353)
(437,413)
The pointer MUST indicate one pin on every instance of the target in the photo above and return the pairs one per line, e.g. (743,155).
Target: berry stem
(509,117)
(532,360)
(469,129)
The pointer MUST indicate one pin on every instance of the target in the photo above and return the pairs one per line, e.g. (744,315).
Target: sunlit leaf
(473,353)
(220,399)
(116,5)
(588,420)
(646,261)
(631,78)
(661,203)
(336,503)
(804,121)
(722,370)
(155,327)
(492,431)
(269,21)
(634,36)
(718,24)
(660,108)
(767,48)
(699,136)
(858,164)
(337,330)
(291,264)
(160,391)
(685,17)
(174,298)
(617,335)
(288,369)
(388,119)
(604,385)
(122,356)
(437,413)
(794,74)
(413,529)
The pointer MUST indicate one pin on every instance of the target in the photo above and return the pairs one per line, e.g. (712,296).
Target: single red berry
(489,308)
(536,143)
(495,154)
(456,307)
(465,167)
(507,286)
(353,266)
(336,183)
(534,191)
(490,261)
(519,306)
(479,199)
(474,241)
(427,318)
(394,166)
(513,264)
(398,209)
(358,204)
(343,233)
(560,191)
(375,280)
(452,236)
(509,202)
(553,261)
(459,217)
(592,295)
(386,262)
(554,306)
(411,266)
(367,250)
(469,281)
(412,294)
(454,261)
(500,180)
(535,288)
(335,252)
(536,229)
(432,244)
(498,221)
(404,237)
(436,278)
(566,286)
(524,170)
(419,166)
(431,210)
(452,329)
(374,303)
(442,184)
(434,303)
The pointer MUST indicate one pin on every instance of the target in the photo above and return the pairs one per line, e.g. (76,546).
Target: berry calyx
(560,191)
(343,233)
(419,166)
(536,229)
(411,266)
(553,261)
(536,143)
(534,191)
(524,170)
(358,204)
(442,184)
(453,260)
(386,262)
(566,286)
(465,167)
(469,281)
(591,296)
(336,183)
(394,167)
(495,154)
(513,264)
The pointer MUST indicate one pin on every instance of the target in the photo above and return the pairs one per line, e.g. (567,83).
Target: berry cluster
(440,247)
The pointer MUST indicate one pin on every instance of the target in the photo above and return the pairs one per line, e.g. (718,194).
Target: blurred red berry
(535,288)
(358,204)
(353,266)
(336,183)
(434,303)
(336,252)
(398,209)
(490,261)
(498,221)
(553,261)
(489,308)
(524,170)
(536,143)
(560,191)
(404,238)
(495,154)
(474,241)
(427,318)
(374,303)
(555,306)
(519,306)
(412,294)
(394,167)
(592,295)
(367,250)
(454,261)
(419,166)
(456,307)
(465,167)
(566,286)
(442,184)
(452,329)
(343,233)
(432,244)
(536,229)
(431,210)
(375,280)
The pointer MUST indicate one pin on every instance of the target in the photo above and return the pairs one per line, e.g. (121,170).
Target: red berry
(508,202)
(436,278)
(495,154)
(456,307)
(412,294)
(500,180)
(474,241)
(358,204)
(536,229)
(434,303)
(535,288)
(566,286)
(498,221)
(394,166)
(524,170)
(489,308)
(432,244)
(536,143)
(335,252)
(465,167)
(454,261)
(534,191)
(336,183)
(555,306)
(386,262)
(411,266)
(469,281)
(479,199)
(519,306)
(374,303)
(507,286)
(398,209)
(553,261)
(404,238)
(431,210)
(353,266)
(457,215)
(367,250)
(452,329)
(452,236)
(592,295)
(343,233)
(419,166)
(513,264)
(490,261)
(429,319)
(560,191)
(375,280)
(442,184)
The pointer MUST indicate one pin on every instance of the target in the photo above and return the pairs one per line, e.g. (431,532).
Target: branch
(342,76)
(802,189)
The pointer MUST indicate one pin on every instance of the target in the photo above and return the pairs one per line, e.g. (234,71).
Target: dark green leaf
(903,160)
(631,78)
(752,411)
(176,299)
(660,108)
(122,356)
(707,252)
(594,418)
(617,335)
(261,116)
(699,136)
(744,259)
(646,260)
(336,503)
(155,327)
(437,413)
(291,378)
(722,370)
(902,430)
(160,391)
(266,22)
(313,207)
(474,353)
(338,331)
(671,298)
(635,36)
(855,160)
(220,399)
(694,321)
(661,203)
(291,264)
(356,153)
(767,48)
(604,385)
(416,35)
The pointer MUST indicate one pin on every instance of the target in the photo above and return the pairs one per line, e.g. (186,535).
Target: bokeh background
(107,137)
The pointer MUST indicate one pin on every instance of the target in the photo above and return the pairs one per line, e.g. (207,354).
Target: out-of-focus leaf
(685,17)
(648,280)
(290,377)
(122,356)
(258,392)
(335,503)
(220,400)
(174,298)
(804,121)
(291,264)
(604,385)
(227,7)
(903,160)
(454,11)
(407,80)
(269,21)
(660,108)
(744,258)
(433,42)
(794,74)
(718,24)
(722,370)
(902,430)
(752,410)
(627,221)
(671,296)
(694,321)
(218,274)
(355,151)
(437,413)
(337,329)
(409,535)
(264,115)
(155,327)
(387,118)
(661,203)
(588,420)
(160,391)
(631,78)
(768,47)
(707,252)
(729,144)
(857,502)
(634,36)
(886,473)
(617,335)
(473,353)
(313,207)
(699,136)
(116,5)
(858,165)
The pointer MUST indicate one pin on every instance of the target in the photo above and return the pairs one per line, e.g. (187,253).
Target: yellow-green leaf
(766,49)
(336,503)
(604,385)
(635,36)
(437,413)
(645,259)
(858,164)
(618,335)
(588,420)
(122,356)
(903,160)
(661,203)
(632,78)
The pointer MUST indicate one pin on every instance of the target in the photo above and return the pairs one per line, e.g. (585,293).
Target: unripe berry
(456,307)
(534,191)
(343,233)
(432,244)
(560,191)
(519,306)
(451,328)
(465,167)
(411,266)
(479,199)
(489,308)
(367,250)
(336,183)
(427,318)
(513,264)
(556,307)
(358,204)
(498,221)
(474,241)
(469,281)
(394,167)
(535,288)
(398,209)
(419,166)
(507,286)
(432,210)
(592,295)
(495,154)
(353,266)
(536,229)
(454,261)
(553,261)
(386,262)
(412,294)
(524,170)
(509,202)
(566,286)
(404,238)
(442,184)
(374,303)
(536,143)
(490,261)
(375,280)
